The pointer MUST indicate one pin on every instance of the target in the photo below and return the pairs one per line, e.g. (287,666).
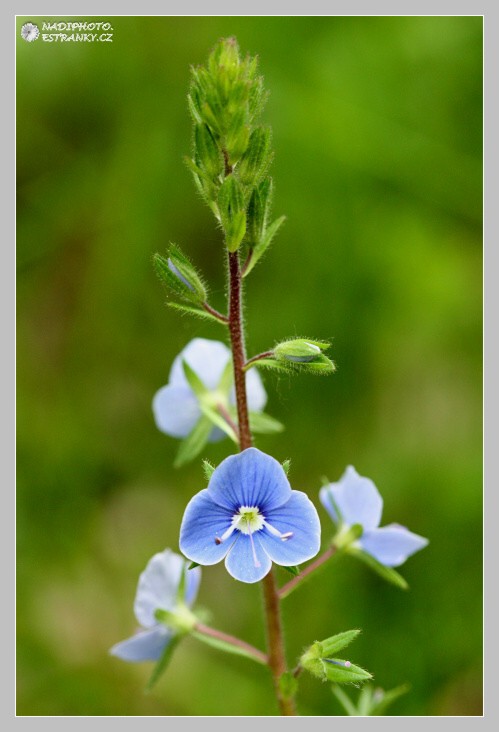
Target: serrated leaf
(193,380)
(387,573)
(162,664)
(264,424)
(196,312)
(264,243)
(217,419)
(379,708)
(208,470)
(222,645)
(335,643)
(194,442)
(335,670)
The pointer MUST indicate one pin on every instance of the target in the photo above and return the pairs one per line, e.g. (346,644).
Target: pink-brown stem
(286,589)
(233,641)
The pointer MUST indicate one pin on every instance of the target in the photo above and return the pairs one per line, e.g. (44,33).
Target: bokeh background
(377,133)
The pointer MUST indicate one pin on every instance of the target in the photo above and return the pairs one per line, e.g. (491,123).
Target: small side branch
(249,363)
(225,414)
(286,589)
(222,318)
(232,641)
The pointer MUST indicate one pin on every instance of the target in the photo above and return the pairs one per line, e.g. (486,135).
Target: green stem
(275,643)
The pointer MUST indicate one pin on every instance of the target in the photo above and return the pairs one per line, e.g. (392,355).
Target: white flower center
(248,520)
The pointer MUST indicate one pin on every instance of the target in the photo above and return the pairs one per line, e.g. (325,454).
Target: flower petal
(207,358)
(392,544)
(240,561)
(176,410)
(202,523)
(357,499)
(298,516)
(250,478)
(147,645)
(158,586)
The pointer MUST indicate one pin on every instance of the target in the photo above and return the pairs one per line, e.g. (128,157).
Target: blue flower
(356,500)
(166,585)
(176,407)
(250,516)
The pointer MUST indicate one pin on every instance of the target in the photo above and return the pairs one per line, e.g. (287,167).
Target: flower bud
(299,350)
(180,275)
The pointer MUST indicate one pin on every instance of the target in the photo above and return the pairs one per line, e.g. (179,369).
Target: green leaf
(345,700)
(294,570)
(387,573)
(194,381)
(194,442)
(321,365)
(364,700)
(196,312)
(264,424)
(217,419)
(264,243)
(335,670)
(179,275)
(222,645)
(208,470)
(335,643)
(378,708)
(163,662)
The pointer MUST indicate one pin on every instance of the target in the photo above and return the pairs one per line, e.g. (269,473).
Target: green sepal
(387,573)
(335,643)
(206,152)
(300,350)
(163,662)
(321,365)
(380,705)
(193,565)
(294,570)
(264,424)
(341,674)
(263,244)
(208,470)
(258,211)
(182,620)
(222,645)
(288,685)
(197,386)
(257,157)
(195,441)
(178,273)
(286,465)
(217,420)
(232,212)
(345,700)
(196,312)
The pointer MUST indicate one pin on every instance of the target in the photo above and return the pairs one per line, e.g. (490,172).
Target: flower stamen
(282,536)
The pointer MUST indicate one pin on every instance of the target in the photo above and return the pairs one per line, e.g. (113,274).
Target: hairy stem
(215,313)
(258,357)
(233,641)
(275,644)
(286,589)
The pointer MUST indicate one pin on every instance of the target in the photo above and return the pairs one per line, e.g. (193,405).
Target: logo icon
(30,32)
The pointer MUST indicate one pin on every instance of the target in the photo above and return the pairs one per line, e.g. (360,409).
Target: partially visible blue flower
(176,407)
(249,515)
(165,584)
(356,500)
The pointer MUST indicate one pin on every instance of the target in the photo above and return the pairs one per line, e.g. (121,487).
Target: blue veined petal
(357,499)
(207,358)
(203,522)
(158,586)
(176,410)
(247,561)
(392,544)
(298,516)
(147,645)
(250,478)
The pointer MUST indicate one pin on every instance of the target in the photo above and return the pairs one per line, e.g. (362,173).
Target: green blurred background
(377,132)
